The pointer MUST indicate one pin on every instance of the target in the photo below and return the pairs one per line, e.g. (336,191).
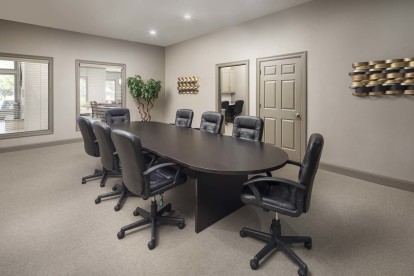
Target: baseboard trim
(370,177)
(40,145)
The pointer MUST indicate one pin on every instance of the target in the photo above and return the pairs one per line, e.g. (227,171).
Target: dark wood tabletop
(205,152)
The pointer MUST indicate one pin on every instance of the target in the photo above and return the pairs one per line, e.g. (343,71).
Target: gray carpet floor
(50,225)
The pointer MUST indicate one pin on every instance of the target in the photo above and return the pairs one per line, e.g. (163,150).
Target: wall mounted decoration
(383,77)
(188,85)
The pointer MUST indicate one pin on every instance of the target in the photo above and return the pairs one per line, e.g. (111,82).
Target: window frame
(49,61)
(77,79)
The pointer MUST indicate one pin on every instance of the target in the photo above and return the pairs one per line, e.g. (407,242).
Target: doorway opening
(232,91)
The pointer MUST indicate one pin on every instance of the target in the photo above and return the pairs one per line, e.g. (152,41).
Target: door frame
(218,94)
(304,103)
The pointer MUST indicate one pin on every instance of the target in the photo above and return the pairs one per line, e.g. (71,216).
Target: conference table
(221,163)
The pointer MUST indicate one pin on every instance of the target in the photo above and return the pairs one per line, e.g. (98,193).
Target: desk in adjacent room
(222,163)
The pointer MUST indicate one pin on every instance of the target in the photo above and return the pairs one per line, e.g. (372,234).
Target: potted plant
(144,94)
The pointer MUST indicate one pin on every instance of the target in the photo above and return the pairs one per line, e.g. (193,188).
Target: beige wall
(374,135)
(65,47)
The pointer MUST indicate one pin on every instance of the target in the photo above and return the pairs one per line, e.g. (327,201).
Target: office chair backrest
(238,107)
(211,122)
(128,147)
(248,127)
(117,115)
(106,146)
(184,117)
(310,166)
(89,139)
(225,105)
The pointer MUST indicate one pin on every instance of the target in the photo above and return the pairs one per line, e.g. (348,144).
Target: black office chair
(146,183)
(237,109)
(286,197)
(184,118)
(111,164)
(117,115)
(211,122)
(225,105)
(90,144)
(248,128)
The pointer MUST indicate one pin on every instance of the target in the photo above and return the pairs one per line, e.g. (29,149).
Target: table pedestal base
(216,197)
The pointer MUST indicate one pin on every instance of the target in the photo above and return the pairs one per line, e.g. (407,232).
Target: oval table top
(206,152)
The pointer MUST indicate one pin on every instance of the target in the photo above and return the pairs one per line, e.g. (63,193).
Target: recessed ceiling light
(153,32)
(187,17)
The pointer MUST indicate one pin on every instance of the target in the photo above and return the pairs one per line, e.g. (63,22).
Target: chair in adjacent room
(248,128)
(94,107)
(211,122)
(146,183)
(117,115)
(236,110)
(184,118)
(90,144)
(110,163)
(286,197)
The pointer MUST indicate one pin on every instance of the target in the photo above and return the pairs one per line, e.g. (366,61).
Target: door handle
(298,116)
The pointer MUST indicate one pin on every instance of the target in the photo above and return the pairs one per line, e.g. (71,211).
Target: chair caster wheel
(303,272)
(242,234)
(83,181)
(168,209)
(135,213)
(114,188)
(254,264)
(121,235)
(102,185)
(151,245)
(97,200)
(308,245)
(117,208)
(181,225)
(95,172)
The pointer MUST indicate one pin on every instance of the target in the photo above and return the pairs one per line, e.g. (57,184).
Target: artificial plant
(144,94)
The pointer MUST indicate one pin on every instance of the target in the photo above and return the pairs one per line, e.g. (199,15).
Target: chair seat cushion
(277,197)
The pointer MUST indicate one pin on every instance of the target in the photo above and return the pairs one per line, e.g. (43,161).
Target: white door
(282,102)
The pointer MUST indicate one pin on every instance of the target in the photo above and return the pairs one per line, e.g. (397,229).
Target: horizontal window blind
(25,96)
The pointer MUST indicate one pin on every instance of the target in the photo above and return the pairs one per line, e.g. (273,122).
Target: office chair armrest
(159,166)
(276,179)
(253,188)
(294,163)
(152,156)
